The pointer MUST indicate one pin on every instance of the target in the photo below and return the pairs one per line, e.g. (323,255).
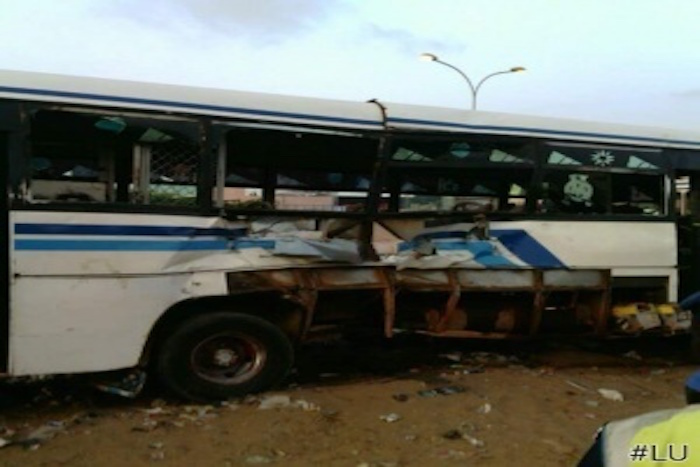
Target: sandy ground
(415,403)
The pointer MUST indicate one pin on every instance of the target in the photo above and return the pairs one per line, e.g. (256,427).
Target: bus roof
(44,87)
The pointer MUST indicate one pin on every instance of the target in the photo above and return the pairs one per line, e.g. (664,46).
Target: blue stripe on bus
(517,241)
(538,131)
(139,245)
(90,229)
(326,118)
(522,245)
(253,243)
(188,105)
(482,251)
(119,245)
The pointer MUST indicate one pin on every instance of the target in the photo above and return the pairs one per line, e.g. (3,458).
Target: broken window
(575,192)
(98,157)
(580,155)
(469,151)
(298,169)
(583,179)
(464,190)
(475,175)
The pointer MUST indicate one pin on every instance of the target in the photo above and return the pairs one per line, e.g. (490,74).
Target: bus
(201,235)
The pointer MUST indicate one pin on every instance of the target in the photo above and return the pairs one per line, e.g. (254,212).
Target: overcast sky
(630,61)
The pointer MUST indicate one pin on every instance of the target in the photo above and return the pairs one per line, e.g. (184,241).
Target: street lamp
(474,89)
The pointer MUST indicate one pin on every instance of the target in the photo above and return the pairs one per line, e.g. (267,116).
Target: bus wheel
(222,355)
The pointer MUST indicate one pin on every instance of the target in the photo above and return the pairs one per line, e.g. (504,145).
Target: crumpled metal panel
(347,277)
(329,250)
(569,278)
(497,278)
(417,278)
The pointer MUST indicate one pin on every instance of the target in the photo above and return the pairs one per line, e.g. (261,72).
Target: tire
(222,355)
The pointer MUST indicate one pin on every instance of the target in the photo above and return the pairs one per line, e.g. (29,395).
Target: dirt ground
(411,403)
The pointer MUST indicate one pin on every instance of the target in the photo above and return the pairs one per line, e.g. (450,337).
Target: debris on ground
(38,436)
(453,357)
(278,401)
(283,401)
(173,432)
(330,415)
(611,394)
(125,384)
(473,441)
(632,354)
(257,459)
(198,413)
(452,434)
(453,454)
(492,358)
(390,417)
(576,385)
(473,370)
(442,391)
(459,434)
(463,433)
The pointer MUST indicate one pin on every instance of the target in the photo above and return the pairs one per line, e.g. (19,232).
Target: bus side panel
(71,325)
(86,291)
(615,244)
(630,249)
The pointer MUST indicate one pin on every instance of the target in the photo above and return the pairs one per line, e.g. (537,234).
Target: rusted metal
(567,279)
(538,303)
(389,297)
(452,302)
(340,278)
(496,279)
(418,279)
(603,311)
(303,286)
(454,333)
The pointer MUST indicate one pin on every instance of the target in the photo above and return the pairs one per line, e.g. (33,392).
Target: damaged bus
(204,234)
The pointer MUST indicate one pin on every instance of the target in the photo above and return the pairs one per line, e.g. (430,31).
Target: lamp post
(474,89)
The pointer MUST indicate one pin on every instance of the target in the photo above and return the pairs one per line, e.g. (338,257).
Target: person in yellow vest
(660,439)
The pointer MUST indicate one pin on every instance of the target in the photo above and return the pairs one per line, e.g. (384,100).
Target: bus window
(298,170)
(638,194)
(574,192)
(95,157)
(581,192)
(467,189)
(68,158)
(596,179)
(173,170)
(461,152)
(469,174)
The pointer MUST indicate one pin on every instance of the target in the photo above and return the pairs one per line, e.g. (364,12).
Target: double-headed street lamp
(474,89)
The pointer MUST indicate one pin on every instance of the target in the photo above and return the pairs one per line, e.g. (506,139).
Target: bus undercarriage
(460,303)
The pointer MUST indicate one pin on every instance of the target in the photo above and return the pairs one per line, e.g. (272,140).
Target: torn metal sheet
(461,252)
(330,250)
(509,248)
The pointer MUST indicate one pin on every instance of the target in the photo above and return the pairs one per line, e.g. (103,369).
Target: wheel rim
(228,358)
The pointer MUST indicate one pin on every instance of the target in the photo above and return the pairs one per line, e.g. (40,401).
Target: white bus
(203,234)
